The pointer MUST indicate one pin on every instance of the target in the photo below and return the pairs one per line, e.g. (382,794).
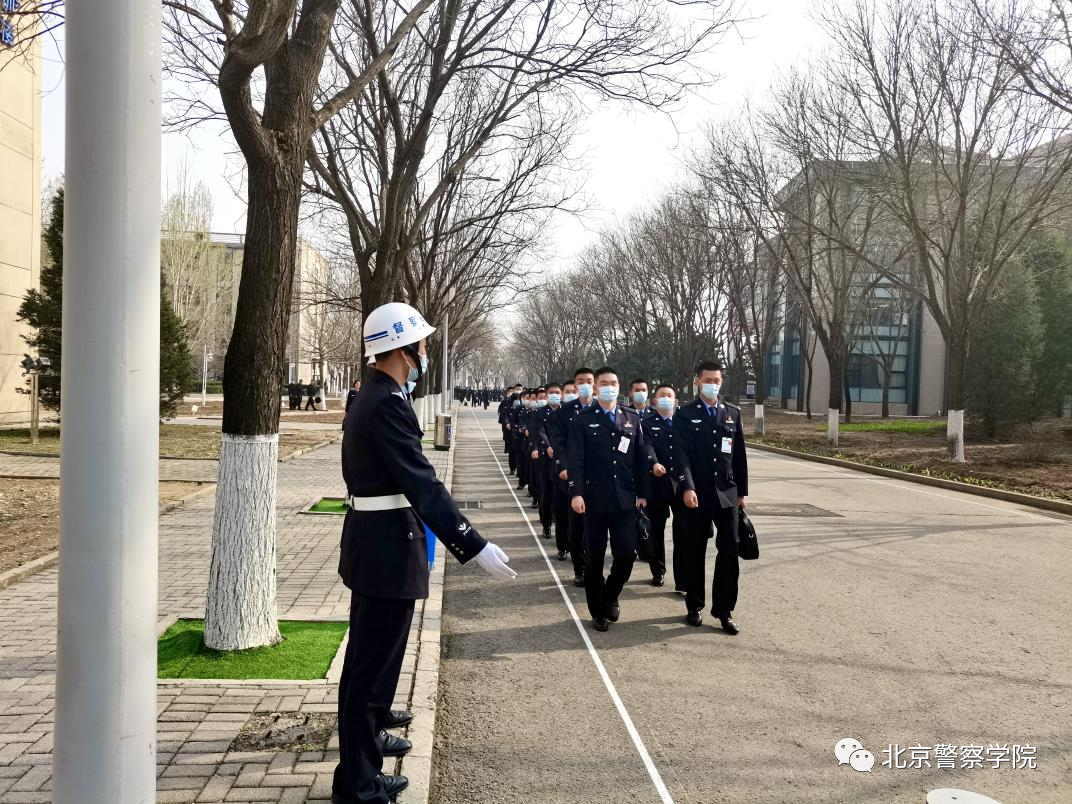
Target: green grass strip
(305,653)
(888,426)
(329,505)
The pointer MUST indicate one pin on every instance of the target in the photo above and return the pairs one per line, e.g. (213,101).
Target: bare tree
(498,76)
(264,58)
(185,258)
(969,163)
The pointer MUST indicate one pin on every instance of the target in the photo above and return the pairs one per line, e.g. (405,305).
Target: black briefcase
(747,544)
(643,528)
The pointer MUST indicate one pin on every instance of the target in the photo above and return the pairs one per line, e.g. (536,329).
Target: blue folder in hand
(430,539)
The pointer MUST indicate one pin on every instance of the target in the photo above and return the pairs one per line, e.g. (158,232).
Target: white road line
(653,772)
(908,484)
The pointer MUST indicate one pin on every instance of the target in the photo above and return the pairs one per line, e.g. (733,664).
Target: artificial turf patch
(305,653)
(329,505)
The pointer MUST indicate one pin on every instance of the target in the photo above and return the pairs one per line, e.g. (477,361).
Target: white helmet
(392,325)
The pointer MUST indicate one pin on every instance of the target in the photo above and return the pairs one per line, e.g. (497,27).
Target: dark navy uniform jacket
(559,428)
(384,553)
(609,479)
(659,437)
(643,414)
(717,477)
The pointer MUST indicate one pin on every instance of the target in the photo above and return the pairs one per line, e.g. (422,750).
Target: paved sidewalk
(197,470)
(198,720)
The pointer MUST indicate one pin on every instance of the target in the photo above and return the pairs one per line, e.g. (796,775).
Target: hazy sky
(630,156)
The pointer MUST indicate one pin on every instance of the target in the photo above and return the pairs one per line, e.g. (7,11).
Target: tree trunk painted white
(241,609)
(761,423)
(832,422)
(954,433)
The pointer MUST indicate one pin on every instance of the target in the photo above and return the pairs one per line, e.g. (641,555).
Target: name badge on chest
(727,444)
(623,445)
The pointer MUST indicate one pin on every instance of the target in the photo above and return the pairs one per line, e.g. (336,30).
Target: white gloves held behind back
(494,560)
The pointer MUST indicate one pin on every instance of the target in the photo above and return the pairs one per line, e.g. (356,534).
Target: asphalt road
(902,615)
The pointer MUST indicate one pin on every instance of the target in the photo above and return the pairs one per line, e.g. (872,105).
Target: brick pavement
(197,470)
(199,719)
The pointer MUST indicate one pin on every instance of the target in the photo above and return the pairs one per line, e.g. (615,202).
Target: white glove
(493,560)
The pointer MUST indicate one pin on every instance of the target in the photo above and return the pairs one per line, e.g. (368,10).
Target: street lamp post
(204,375)
(34,368)
(105,734)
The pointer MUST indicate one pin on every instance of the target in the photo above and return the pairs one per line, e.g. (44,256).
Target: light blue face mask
(414,374)
(554,399)
(541,403)
(665,404)
(409,387)
(640,397)
(584,390)
(567,398)
(517,403)
(709,391)
(608,393)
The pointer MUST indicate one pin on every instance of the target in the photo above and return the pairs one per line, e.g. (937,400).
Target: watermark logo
(851,752)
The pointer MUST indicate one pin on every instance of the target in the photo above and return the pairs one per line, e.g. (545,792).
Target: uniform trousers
(621,529)
(561,507)
(548,481)
(521,461)
(659,512)
(379,628)
(727,570)
(576,529)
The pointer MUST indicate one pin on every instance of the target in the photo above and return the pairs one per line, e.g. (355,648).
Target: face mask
(414,374)
(640,397)
(554,399)
(584,390)
(410,386)
(568,398)
(665,404)
(517,403)
(710,390)
(608,393)
(541,403)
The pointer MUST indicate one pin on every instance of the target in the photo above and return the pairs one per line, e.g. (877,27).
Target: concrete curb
(1058,506)
(48,561)
(424,694)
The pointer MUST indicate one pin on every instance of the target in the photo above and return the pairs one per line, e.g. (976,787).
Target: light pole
(105,737)
(204,375)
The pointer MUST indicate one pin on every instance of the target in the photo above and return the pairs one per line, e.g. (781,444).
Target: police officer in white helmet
(392,492)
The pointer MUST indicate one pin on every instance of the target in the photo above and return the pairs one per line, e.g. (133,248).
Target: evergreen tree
(1003,361)
(42,310)
(176,362)
(1050,261)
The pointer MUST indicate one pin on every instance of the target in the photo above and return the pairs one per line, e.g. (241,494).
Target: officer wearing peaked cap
(392,492)
(712,473)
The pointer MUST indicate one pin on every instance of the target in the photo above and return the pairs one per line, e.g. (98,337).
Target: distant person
(294,394)
(351,394)
(314,396)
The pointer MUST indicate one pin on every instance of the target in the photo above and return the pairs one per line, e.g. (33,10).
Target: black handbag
(747,544)
(643,526)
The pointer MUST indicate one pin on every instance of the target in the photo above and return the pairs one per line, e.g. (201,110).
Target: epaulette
(731,405)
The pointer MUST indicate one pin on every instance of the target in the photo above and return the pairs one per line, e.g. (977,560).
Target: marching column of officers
(604,474)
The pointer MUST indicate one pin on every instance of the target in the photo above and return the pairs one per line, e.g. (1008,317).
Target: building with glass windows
(20,210)
(898,352)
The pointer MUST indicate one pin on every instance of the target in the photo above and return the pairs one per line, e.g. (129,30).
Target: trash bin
(443,431)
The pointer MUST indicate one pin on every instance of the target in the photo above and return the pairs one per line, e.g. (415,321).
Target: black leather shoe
(395,746)
(578,580)
(546,533)
(535,503)
(397,718)
(694,618)
(657,580)
(600,624)
(393,785)
(729,626)
(613,612)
